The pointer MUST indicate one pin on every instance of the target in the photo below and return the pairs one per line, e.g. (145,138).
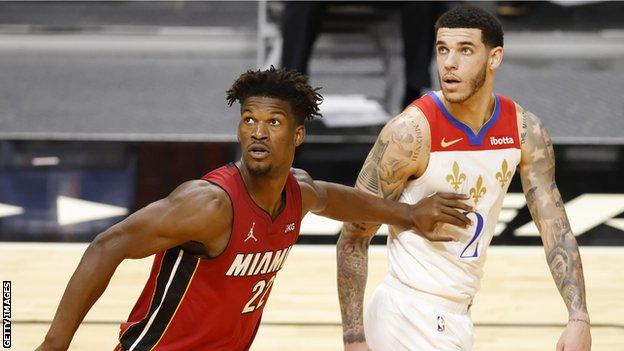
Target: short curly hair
(473,17)
(284,84)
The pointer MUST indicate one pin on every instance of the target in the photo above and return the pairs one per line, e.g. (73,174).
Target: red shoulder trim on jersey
(295,192)
(229,178)
(448,133)
(509,119)
(428,107)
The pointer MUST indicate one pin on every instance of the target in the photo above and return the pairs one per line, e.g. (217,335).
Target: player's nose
(260,131)
(451,61)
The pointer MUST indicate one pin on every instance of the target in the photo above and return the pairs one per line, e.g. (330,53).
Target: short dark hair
(284,84)
(473,17)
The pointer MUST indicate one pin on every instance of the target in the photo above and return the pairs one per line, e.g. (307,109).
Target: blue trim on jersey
(473,139)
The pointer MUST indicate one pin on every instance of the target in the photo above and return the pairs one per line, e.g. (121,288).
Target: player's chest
(260,233)
(476,173)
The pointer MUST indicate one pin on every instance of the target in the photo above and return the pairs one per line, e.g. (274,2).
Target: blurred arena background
(107,106)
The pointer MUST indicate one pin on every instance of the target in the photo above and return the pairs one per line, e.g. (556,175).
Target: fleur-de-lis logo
(456,179)
(504,175)
(478,190)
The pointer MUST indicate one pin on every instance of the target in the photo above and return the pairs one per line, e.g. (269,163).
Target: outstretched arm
(194,207)
(537,173)
(348,204)
(389,165)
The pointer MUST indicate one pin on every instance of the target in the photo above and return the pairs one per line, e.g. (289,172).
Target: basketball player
(220,241)
(462,139)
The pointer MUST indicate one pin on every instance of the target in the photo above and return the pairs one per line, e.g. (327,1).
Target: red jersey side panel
(192,303)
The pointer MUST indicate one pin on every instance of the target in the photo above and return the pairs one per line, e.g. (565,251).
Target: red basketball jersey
(192,303)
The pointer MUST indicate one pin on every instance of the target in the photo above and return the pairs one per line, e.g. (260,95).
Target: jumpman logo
(250,234)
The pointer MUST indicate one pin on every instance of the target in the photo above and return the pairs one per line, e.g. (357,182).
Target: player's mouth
(258,151)
(451,82)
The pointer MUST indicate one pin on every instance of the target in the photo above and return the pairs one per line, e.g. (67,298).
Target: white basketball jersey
(480,165)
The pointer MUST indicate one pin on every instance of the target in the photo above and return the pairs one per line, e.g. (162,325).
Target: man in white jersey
(468,140)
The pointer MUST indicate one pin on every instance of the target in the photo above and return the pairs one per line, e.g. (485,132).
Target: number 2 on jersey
(474,241)
(259,290)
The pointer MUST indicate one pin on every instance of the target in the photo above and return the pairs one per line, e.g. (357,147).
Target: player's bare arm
(195,211)
(537,173)
(345,204)
(400,154)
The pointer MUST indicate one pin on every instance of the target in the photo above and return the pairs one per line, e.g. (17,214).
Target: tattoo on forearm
(580,320)
(546,207)
(359,227)
(352,261)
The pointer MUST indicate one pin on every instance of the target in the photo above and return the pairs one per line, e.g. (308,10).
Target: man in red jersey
(220,241)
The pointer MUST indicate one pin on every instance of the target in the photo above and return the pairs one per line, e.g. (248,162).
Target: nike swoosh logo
(445,143)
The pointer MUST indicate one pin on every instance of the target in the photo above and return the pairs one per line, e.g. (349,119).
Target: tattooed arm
(400,153)
(401,142)
(537,173)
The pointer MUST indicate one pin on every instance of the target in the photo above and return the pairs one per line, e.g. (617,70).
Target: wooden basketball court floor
(517,309)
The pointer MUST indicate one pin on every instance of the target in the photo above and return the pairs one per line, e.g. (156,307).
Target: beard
(475,85)
(258,169)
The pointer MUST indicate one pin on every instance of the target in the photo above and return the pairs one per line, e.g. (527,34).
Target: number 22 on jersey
(259,292)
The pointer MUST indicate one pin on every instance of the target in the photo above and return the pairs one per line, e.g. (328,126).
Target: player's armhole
(216,199)
(307,188)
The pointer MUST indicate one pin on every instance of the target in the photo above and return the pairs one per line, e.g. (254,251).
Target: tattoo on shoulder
(378,150)
(523,132)
(396,149)
(418,133)
(369,176)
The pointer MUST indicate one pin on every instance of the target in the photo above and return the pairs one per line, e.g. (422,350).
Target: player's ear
(496,57)
(300,133)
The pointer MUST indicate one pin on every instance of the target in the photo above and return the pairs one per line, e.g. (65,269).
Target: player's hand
(576,336)
(438,209)
(358,346)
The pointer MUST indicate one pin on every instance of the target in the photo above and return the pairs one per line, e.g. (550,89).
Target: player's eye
(467,51)
(442,50)
(248,120)
(274,122)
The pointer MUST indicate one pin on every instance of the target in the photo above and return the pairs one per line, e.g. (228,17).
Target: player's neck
(475,111)
(265,191)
